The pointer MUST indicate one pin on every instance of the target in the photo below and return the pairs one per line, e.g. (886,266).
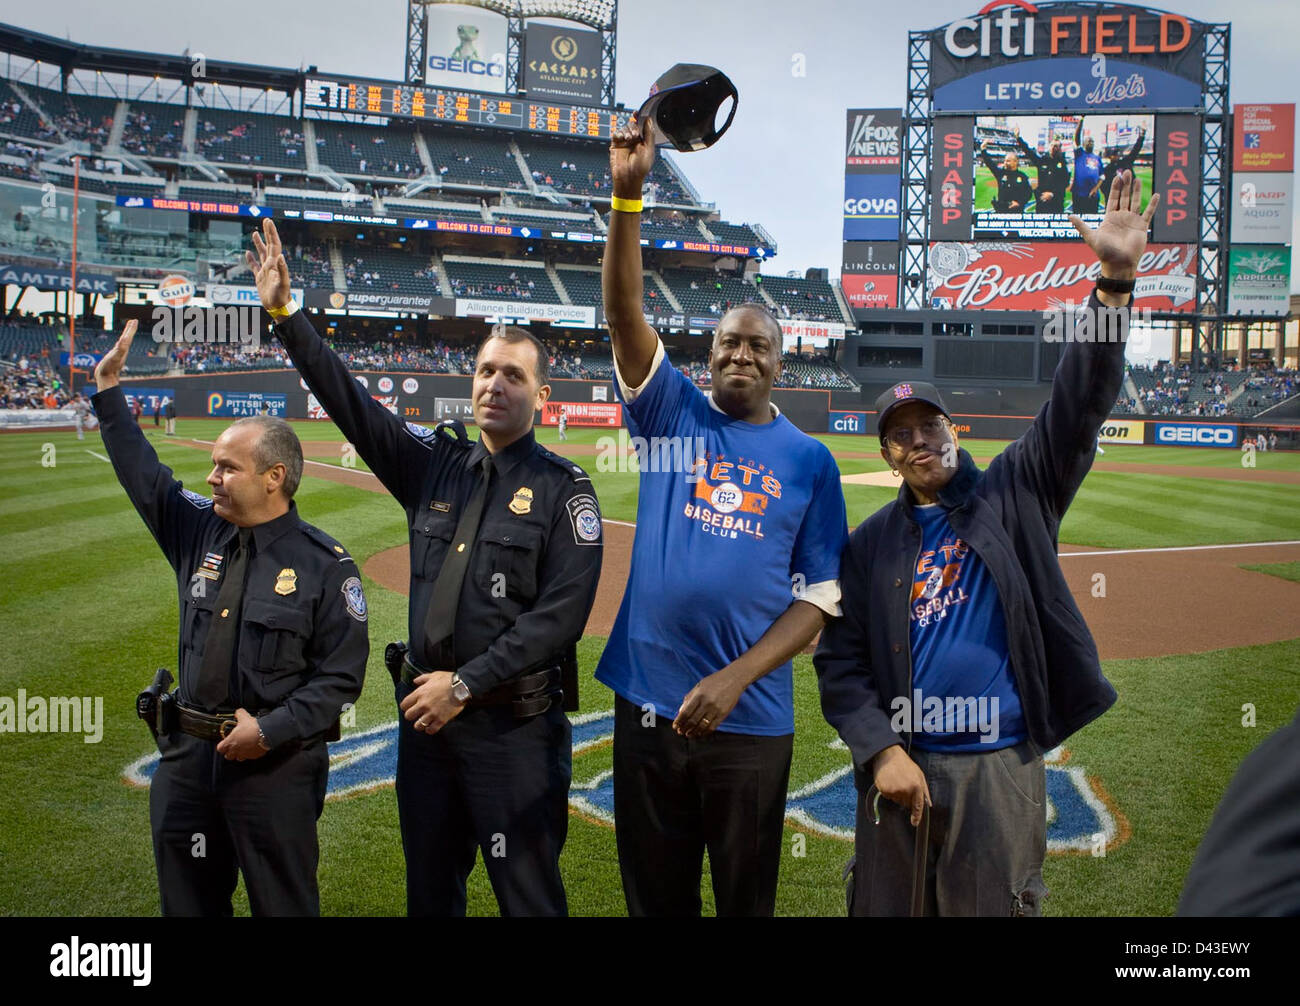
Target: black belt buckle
(226,726)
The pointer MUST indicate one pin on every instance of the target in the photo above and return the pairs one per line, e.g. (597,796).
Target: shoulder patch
(572,470)
(326,542)
(200,502)
(584,516)
(354,597)
(421,433)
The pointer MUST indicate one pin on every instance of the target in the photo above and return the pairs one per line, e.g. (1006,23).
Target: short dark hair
(757,308)
(513,334)
(277,445)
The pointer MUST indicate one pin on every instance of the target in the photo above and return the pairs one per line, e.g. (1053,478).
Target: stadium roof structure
(593,13)
(70,56)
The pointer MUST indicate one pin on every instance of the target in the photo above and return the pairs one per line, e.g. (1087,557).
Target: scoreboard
(416,101)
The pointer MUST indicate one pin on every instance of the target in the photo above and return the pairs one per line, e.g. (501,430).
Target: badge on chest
(522,501)
(286,582)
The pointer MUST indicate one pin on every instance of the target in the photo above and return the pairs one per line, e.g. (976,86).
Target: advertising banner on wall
(583,413)
(556,314)
(869,275)
(1259,280)
(1176,175)
(246,403)
(563,63)
(1122,431)
(1263,137)
(873,142)
(1016,57)
(1262,205)
(1041,276)
(952,166)
(871,204)
(466,48)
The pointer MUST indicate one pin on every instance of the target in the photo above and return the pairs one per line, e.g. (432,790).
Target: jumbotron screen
(415,101)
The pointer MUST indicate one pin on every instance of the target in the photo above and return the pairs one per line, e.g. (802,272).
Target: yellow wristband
(625,205)
(280,313)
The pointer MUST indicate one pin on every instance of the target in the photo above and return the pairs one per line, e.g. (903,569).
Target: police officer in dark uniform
(273,646)
(1053,176)
(1014,190)
(506,546)
(1115,163)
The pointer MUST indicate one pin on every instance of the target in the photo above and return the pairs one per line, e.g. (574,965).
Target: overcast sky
(780,165)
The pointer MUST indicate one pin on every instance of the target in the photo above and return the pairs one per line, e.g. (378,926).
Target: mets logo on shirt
(727,497)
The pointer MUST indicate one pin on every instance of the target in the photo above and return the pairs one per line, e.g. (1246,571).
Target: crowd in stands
(31,384)
(74,125)
(151,136)
(512,288)
(1169,390)
(1269,387)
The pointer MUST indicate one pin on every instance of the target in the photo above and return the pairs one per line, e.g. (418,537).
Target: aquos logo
(848,422)
(1196,435)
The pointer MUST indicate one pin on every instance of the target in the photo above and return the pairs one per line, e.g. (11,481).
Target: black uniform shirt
(302,645)
(1013,186)
(1053,170)
(536,558)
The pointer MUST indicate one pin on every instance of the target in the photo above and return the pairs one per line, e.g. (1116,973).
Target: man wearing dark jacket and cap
(961,657)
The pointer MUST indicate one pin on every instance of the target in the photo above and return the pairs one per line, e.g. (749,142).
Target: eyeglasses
(902,436)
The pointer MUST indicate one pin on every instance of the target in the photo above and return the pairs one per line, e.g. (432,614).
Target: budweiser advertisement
(583,413)
(1042,276)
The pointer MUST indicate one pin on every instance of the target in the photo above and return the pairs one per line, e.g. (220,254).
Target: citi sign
(848,422)
(1196,435)
(1012,33)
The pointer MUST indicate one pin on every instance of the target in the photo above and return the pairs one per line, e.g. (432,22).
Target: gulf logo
(1080,814)
(175,291)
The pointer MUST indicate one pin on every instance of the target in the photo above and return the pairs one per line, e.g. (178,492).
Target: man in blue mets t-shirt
(735,568)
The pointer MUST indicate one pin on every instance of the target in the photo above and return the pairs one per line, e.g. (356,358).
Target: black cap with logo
(684,103)
(901,394)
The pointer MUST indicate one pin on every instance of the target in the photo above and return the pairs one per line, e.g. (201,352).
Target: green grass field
(986,188)
(89,608)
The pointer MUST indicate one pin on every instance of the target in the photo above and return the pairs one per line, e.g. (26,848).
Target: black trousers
(485,781)
(675,797)
(1054,205)
(212,818)
(1084,203)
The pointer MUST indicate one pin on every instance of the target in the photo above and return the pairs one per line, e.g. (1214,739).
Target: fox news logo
(873,142)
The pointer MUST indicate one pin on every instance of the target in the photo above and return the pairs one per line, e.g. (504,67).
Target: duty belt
(205,726)
(529,694)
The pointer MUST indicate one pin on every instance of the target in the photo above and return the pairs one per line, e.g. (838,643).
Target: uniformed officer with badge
(506,544)
(1015,191)
(273,646)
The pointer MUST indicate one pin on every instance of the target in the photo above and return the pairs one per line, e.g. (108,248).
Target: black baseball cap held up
(901,394)
(684,104)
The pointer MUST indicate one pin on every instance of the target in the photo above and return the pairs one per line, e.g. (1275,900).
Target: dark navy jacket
(303,645)
(1009,513)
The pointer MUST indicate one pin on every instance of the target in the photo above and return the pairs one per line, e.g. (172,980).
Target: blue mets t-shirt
(959,648)
(718,548)
(1087,171)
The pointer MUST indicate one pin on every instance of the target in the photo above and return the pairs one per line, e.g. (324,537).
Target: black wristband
(1115,285)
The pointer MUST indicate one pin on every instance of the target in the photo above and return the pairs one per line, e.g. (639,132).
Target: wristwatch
(261,739)
(460,690)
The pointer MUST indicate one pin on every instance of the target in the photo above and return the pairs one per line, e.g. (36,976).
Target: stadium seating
(362,150)
(470,160)
(803,298)
(377,269)
(708,293)
(510,282)
(583,287)
(250,138)
(78,116)
(733,234)
(153,130)
(309,263)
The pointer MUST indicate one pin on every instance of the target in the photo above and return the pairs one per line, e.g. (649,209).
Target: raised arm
(396,455)
(1057,451)
(172,513)
(631,153)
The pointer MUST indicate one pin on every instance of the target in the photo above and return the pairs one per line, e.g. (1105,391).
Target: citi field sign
(1015,55)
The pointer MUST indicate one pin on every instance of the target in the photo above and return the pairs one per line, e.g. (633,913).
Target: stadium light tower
(602,15)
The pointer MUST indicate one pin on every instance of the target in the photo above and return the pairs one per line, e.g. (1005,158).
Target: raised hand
(270,271)
(109,369)
(631,155)
(1121,238)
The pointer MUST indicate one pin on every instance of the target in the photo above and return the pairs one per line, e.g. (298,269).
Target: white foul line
(100,456)
(1175,548)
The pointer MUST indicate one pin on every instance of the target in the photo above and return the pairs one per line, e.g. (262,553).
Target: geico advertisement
(1196,435)
(1115,431)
